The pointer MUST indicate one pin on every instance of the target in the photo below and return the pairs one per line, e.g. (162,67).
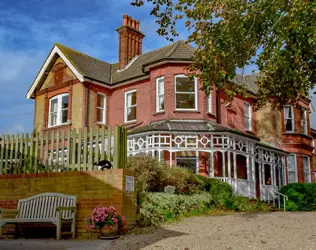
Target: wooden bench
(46,207)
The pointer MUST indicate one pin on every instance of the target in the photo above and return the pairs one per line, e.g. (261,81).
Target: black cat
(101,165)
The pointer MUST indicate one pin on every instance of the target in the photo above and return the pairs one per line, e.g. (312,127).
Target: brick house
(170,118)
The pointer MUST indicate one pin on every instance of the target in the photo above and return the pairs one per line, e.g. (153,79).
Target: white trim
(125,108)
(159,94)
(175,93)
(59,109)
(304,121)
(129,64)
(286,118)
(210,103)
(104,108)
(250,116)
(55,51)
(288,168)
(309,168)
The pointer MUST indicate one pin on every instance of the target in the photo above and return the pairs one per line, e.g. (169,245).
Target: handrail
(284,197)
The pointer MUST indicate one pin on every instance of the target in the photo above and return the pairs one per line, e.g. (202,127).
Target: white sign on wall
(130,183)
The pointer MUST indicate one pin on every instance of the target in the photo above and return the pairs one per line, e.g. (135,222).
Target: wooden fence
(75,149)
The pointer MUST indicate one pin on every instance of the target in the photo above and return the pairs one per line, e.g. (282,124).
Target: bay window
(101,108)
(209,102)
(289,118)
(160,94)
(304,121)
(185,93)
(247,116)
(307,169)
(130,106)
(291,166)
(58,110)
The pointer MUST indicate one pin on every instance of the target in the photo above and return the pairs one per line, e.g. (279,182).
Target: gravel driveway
(276,230)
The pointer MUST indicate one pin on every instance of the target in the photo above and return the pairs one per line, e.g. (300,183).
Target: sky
(29,29)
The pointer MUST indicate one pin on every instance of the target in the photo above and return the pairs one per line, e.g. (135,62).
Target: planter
(108,232)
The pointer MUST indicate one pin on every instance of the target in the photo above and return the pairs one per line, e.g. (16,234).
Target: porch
(253,169)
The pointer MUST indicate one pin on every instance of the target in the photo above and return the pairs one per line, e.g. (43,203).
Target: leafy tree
(279,36)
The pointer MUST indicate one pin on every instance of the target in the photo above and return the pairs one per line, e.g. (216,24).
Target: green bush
(301,197)
(161,207)
(153,176)
(243,204)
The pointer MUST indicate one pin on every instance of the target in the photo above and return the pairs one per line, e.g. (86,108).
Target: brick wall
(92,188)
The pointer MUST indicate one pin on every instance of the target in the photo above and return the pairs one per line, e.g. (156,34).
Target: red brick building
(170,118)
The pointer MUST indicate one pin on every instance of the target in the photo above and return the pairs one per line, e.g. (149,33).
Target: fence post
(117,133)
(109,144)
(85,145)
(1,154)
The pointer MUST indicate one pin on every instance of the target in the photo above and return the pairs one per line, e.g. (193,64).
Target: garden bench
(46,207)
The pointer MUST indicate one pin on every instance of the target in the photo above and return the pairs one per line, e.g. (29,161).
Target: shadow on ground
(128,241)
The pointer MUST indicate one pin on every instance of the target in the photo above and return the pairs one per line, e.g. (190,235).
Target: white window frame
(248,117)
(175,93)
(102,108)
(288,175)
(158,95)
(209,103)
(196,158)
(287,118)
(59,110)
(304,121)
(309,168)
(125,106)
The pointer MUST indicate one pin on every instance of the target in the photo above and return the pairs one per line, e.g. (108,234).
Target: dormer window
(58,110)
(185,93)
(289,118)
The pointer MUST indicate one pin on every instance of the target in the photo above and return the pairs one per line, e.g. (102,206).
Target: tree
(279,36)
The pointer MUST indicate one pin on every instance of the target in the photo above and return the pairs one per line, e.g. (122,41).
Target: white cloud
(14,129)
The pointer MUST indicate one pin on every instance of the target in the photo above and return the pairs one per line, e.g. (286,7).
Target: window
(304,121)
(130,106)
(58,110)
(209,102)
(289,118)
(160,94)
(247,115)
(101,108)
(307,169)
(185,89)
(291,166)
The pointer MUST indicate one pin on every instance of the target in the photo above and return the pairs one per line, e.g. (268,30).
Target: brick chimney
(130,38)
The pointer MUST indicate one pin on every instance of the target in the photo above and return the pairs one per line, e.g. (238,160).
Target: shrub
(302,197)
(242,204)
(161,207)
(153,176)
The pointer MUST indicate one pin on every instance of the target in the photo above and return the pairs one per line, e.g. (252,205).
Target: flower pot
(109,232)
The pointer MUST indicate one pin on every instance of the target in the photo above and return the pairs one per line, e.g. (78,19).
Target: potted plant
(107,220)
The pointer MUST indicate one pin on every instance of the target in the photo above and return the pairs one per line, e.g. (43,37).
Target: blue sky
(28,30)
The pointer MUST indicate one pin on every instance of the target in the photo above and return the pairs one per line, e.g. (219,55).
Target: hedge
(301,197)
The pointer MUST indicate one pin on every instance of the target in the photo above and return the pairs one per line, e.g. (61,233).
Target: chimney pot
(130,40)
(125,17)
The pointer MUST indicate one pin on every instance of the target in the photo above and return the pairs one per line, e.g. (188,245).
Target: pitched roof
(86,65)
(187,126)
(91,68)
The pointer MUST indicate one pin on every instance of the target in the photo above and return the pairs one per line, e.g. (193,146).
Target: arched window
(58,110)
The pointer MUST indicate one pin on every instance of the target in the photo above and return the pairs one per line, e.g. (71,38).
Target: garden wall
(92,188)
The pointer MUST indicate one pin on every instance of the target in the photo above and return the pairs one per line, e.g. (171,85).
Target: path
(240,231)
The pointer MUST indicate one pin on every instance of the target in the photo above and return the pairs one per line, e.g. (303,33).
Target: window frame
(309,168)
(101,108)
(209,103)
(288,170)
(59,99)
(175,93)
(158,95)
(250,116)
(304,121)
(125,107)
(286,118)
